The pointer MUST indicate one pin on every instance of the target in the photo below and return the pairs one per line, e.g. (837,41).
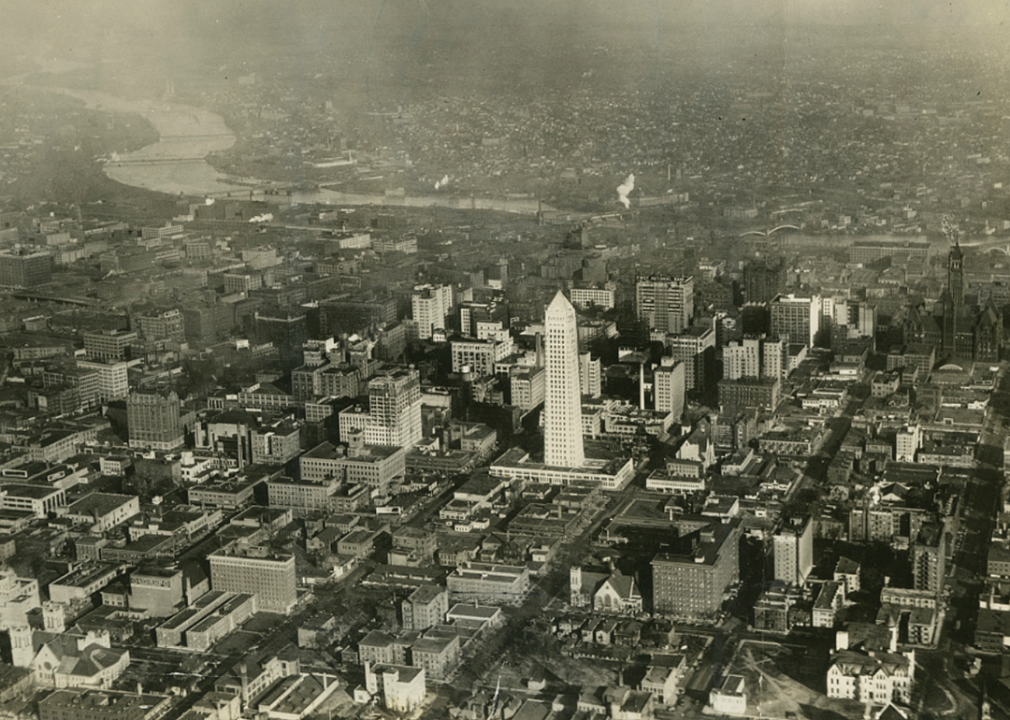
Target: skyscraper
(796,318)
(563,402)
(793,550)
(154,421)
(666,304)
(669,383)
(762,282)
(429,306)
(394,402)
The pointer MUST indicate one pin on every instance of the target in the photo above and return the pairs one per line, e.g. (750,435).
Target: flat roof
(98,504)
(34,492)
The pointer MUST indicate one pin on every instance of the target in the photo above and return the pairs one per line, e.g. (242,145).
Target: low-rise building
(401,688)
(489,583)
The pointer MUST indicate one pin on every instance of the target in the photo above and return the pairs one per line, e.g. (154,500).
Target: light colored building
(563,401)
(113,378)
(528,386)
(429,306)
(394,409)
(906,443)
(590,375)
(669,384)
(400,687)
(489,583)
(357,464)
(692,348)
(301,496)
(877,677)
(479,356)
(258,570)
(102,511)
(793,550)
(277,443)
(68,659)
(425,607)
(730,698)
(109,344)
(591,296)
(742,359)
(39,500)
(665,303)
(210,618)
(18,597)
(160,325)
(796,319)
(437,653)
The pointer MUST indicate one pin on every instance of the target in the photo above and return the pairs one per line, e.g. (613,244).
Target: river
(176,163)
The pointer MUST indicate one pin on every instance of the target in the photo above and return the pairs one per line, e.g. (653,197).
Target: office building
(154,421)
(665,304)
(103,704)
(587,297)
(276,443)
(753,357)
(696,349)
(742,359)
(113,379)
(563,402)
(25,269)
(160,325)
(762,282)
(864,252)
(429,306)
(591,375)
(489,583)
(475,318)
(325,380)
(108,344)
(375,466)
(796,319)
(928,558)
(793,550)
(394,409)
(528,386)
(257,570)
(479,356)
(749,393)
(907,442)
(669,382)
(691,582)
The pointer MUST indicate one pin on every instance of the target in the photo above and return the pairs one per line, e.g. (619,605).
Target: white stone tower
(563,402)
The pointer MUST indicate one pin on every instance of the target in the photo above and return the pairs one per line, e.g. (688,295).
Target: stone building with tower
(958,328)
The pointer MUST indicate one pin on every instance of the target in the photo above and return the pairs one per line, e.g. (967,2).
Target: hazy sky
(102,29)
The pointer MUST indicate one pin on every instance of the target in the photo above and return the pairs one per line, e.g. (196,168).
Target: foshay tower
(563,402)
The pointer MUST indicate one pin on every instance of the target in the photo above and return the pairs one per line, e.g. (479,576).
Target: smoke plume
(624,189)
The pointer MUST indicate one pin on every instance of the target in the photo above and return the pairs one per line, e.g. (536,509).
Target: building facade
(665,304)
(563,402)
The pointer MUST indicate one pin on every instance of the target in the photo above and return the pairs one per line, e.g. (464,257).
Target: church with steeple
(959,329)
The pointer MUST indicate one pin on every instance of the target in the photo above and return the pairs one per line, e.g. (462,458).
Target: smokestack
(641,385)
(540,350)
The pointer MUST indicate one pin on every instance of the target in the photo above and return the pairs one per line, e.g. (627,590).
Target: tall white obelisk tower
(563,403)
